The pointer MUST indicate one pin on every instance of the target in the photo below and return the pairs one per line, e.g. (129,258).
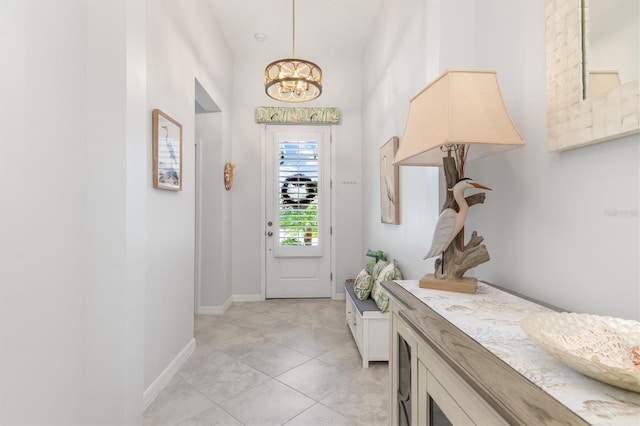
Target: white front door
(298,212)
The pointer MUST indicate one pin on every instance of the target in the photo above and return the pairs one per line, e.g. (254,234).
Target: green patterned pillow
(363,285)
(379,294)
(379,266)
(390,272)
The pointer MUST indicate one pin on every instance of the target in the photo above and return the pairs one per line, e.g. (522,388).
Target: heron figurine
(451,222)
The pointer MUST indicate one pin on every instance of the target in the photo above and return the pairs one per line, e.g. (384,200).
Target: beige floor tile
(289,316)
(177,401)
(218,334)
(283,331)
(215,416)
(274,359)
(314,378)
(376,374)
(271,403)
(344,355)
(305,343)
(249,319)
(227,381)
(368,403)
(245,344)
(319,415)
(316,342)
(205,358)
(204,321)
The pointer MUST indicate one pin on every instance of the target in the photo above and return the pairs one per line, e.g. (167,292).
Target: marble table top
(492,318)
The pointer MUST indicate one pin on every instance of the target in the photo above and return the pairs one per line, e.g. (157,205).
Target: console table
(465,357)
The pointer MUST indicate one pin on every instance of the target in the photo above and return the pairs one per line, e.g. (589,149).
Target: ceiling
(324,28)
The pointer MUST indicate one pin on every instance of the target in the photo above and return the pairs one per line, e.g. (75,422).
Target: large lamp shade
(459,107)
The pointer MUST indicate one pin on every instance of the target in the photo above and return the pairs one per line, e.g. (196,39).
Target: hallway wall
(183,44)
(72,262)
(402,59)
(96,266)
(550,224)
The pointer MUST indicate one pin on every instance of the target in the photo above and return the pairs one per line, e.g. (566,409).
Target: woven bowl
(604,348)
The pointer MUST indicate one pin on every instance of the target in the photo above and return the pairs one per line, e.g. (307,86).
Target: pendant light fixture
(293,80)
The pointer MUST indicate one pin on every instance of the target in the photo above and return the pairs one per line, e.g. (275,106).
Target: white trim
(339,296)
(151,393)
(332,199)
(263,205)
(218,310)
(198,225)
(215,310)
(247,298)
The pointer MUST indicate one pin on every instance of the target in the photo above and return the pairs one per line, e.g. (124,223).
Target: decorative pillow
(379,266)
(363,285)
(379,294)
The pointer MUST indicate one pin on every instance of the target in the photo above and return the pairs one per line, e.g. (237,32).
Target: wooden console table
(465,357)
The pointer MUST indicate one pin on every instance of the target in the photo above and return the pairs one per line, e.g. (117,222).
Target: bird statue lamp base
(460,285)
(448,239)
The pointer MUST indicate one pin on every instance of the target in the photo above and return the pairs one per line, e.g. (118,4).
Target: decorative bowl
(604,348)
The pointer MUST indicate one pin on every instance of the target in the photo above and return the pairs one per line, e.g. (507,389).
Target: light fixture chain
(293,47)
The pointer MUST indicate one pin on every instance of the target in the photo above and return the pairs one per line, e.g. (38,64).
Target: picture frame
(167,152)
(389,183)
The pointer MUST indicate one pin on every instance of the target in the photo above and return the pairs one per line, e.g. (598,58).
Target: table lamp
(458,117)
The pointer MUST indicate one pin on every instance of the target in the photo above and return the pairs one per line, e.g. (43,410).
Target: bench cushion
(361,305)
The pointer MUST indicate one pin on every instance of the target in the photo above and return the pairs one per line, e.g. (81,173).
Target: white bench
(369,326)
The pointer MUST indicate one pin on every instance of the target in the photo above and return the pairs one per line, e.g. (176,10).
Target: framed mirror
(576,117)
(611,42)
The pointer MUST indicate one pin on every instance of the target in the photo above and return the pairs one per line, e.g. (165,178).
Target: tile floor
(277,362)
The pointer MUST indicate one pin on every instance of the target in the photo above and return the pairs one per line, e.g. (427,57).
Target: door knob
(270,233)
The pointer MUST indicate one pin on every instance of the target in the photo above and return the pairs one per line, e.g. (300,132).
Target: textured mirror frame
(571,120)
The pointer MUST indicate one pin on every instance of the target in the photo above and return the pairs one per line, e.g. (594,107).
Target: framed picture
(389,176)
(167,152)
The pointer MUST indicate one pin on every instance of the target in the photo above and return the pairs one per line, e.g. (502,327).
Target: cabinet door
(404,373)
(444,398)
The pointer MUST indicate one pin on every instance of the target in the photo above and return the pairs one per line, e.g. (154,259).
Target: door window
(299,198)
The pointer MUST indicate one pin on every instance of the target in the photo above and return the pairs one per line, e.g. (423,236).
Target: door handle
(269,233)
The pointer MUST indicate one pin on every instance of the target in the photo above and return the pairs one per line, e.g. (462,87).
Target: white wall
(215,228)
(399,61)
(339,91)
(72,263)
(96,266)
(560,227)
(184,43)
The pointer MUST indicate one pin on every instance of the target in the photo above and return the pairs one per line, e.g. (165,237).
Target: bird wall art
(389,203)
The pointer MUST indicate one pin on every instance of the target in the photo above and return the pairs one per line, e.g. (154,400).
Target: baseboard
(215,310)
(165,377)
(339,296)
(247,298)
